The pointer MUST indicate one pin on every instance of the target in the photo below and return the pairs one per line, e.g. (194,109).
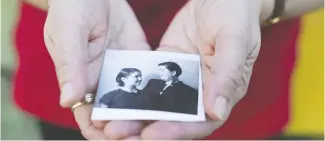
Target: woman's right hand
(76,33)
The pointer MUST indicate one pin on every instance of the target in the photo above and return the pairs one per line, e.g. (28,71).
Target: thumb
(226,74)
(226,68)
(66,41)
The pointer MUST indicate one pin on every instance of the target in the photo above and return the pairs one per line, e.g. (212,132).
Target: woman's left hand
(226,33)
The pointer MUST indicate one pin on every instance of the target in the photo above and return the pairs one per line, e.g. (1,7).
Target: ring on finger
(88,99)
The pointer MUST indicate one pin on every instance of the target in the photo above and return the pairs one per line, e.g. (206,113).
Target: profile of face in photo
(169,93)
(127,95)
(129,78)
(169,72)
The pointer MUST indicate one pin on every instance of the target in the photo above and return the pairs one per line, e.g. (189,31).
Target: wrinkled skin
(226,33)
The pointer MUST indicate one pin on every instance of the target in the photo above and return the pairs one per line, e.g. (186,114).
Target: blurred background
(307,90)
(13,121)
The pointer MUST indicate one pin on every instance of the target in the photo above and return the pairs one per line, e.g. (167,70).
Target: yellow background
(307,88)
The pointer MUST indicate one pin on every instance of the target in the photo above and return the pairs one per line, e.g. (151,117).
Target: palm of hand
(76,41)
(224,32)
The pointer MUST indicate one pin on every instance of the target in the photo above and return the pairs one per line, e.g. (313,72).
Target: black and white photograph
(149,85)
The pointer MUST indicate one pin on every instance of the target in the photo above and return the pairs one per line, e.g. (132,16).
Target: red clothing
(261,114)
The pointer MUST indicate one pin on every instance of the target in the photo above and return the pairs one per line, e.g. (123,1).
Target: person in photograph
(127,96)
(59,46)
(169,93)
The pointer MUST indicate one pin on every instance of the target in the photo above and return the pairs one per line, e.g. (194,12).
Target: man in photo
(127,96)
(169,93)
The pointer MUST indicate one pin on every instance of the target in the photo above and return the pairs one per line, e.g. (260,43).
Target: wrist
(278,8)
(267,7)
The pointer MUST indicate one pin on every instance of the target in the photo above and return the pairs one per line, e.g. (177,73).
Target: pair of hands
(226,33)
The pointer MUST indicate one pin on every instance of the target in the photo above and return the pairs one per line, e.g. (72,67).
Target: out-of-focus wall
(307,88)
(13,121)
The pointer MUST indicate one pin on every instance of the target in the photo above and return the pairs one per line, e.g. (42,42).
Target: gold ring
(88,99)
(77,105)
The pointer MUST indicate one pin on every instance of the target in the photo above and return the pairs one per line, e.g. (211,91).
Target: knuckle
(111,134)
(234,81)
(47,38)
(240,35)
(230,81)
(234,32)
(254,42)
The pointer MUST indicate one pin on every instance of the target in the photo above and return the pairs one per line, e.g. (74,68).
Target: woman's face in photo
(134,79)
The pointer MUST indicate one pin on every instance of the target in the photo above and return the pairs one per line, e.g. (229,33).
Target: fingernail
(220,107)
(66,93)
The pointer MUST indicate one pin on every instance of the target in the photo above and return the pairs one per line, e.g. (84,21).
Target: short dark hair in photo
(172,66)
(125,72)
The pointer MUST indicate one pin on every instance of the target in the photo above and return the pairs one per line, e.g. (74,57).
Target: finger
(125,30)
(230,69)
(179,130)
(96,54)
(66,39)
(99,124)
(122,129)
(234,38)
(225,77)
(133,138)
(89,131)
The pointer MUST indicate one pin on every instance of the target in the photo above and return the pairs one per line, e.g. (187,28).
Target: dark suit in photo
(178,97)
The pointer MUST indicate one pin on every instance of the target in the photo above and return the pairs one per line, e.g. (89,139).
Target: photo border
(138,114)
